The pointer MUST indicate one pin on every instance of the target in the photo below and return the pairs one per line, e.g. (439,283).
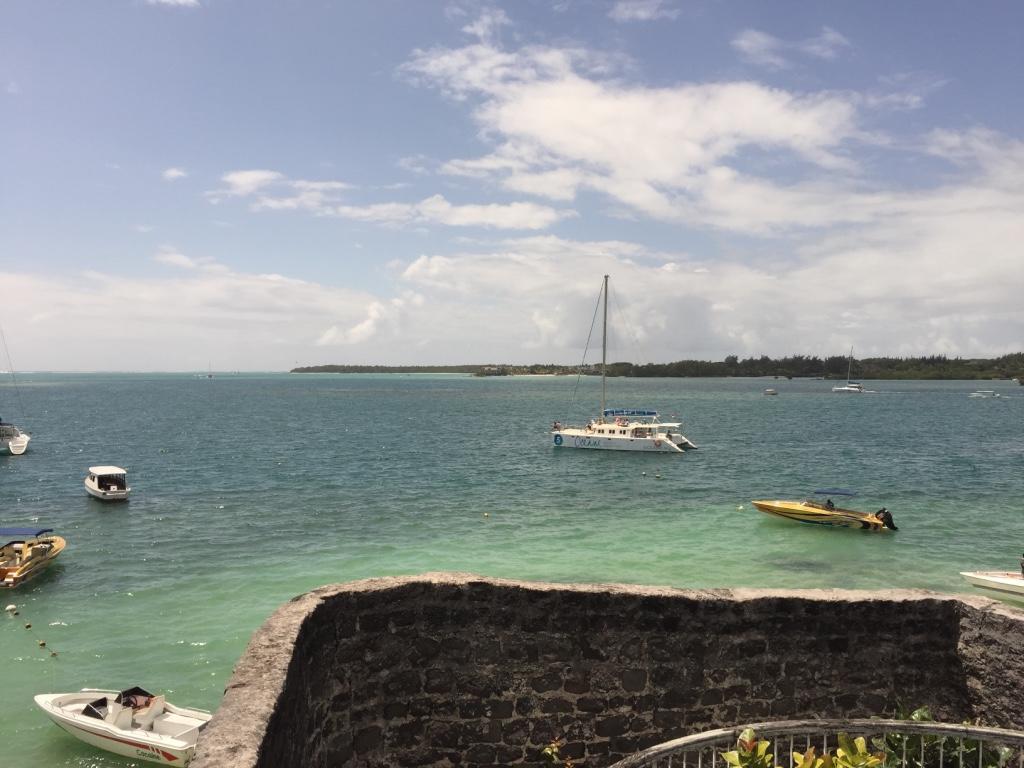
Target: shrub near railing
(917,743)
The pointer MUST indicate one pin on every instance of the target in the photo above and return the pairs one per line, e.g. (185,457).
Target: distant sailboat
(12,439)
(850,386)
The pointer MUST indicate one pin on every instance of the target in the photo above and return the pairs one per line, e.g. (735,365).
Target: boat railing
(907,744)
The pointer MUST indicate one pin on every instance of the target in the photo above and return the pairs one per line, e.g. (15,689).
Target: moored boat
(108,483)
(133,723)
(26,552)
(1000,581)
(826,513)
(853,387)
(12,439)
(621,429)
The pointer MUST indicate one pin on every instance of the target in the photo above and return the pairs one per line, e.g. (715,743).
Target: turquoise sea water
(249,489)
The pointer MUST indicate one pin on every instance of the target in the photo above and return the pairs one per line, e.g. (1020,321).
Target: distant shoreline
(935,367)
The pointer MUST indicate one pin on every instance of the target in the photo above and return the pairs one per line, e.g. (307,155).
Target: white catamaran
(621,429)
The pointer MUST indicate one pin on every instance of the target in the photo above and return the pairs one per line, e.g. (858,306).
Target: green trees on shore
(795,366)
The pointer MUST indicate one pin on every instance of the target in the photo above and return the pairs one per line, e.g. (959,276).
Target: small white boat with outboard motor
(12,439)
(108,483)
(1000,581)
(133,723)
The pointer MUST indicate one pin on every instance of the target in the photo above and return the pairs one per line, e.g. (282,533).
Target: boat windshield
(134,697)
(97,709)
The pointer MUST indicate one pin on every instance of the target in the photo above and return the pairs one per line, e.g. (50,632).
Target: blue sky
(251,185)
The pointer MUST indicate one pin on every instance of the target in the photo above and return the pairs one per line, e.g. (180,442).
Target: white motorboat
(1000,581)
(133,723)
(621,429)
(850,386)
(771,391)
(12,439)
(984,393)
(108,483)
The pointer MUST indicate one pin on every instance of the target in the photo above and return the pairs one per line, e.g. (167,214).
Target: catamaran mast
(849,366)
(604,347)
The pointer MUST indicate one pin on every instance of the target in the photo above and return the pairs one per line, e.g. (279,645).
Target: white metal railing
(907,744)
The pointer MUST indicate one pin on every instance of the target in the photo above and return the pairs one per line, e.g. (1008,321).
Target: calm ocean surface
(249,489)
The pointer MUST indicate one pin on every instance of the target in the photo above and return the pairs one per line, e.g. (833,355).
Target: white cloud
(437,210)
(913,272)
(315,196)
(769,51)
(168,255)
(271,190)
(641,10)
(560,125)
(242,183)
(202,311)
(826,45)
(175,3)
(172,174)
(487,24)
(760,48)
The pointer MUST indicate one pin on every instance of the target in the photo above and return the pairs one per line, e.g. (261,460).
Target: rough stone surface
(454,669)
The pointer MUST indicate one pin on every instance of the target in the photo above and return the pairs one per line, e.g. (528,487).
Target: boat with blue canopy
(621,429)
(26,552)
(826,512)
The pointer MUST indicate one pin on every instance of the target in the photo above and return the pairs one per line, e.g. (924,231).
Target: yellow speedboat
(825,513)
(26,552)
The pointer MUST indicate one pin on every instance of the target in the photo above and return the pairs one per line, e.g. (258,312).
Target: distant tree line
(796,366)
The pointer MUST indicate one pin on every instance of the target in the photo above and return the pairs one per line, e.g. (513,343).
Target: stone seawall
(453,669)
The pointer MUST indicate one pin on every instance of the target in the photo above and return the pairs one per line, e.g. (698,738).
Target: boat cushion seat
(120,717)
(144,717)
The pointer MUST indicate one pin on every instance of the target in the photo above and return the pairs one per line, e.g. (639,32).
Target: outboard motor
(886,517)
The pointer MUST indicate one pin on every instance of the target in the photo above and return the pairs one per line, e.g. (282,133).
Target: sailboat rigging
(620,429)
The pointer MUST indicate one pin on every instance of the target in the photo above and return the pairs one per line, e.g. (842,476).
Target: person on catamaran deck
(829,504)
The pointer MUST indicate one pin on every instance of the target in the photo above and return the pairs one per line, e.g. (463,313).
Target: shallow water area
(249,489)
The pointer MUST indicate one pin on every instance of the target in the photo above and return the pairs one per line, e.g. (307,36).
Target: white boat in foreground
(1001,581)
(621,429)
(12,439)
(133,723)
(108,483)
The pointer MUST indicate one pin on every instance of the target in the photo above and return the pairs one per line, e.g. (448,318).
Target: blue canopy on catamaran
(629,412)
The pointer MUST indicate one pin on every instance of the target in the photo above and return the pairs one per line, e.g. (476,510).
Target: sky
(255,185)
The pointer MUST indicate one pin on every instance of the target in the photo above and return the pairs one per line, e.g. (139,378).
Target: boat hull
(15,445)
(573,438)
(1000,581)
(817,514)
(13,576)
(106,495)
(65,711)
